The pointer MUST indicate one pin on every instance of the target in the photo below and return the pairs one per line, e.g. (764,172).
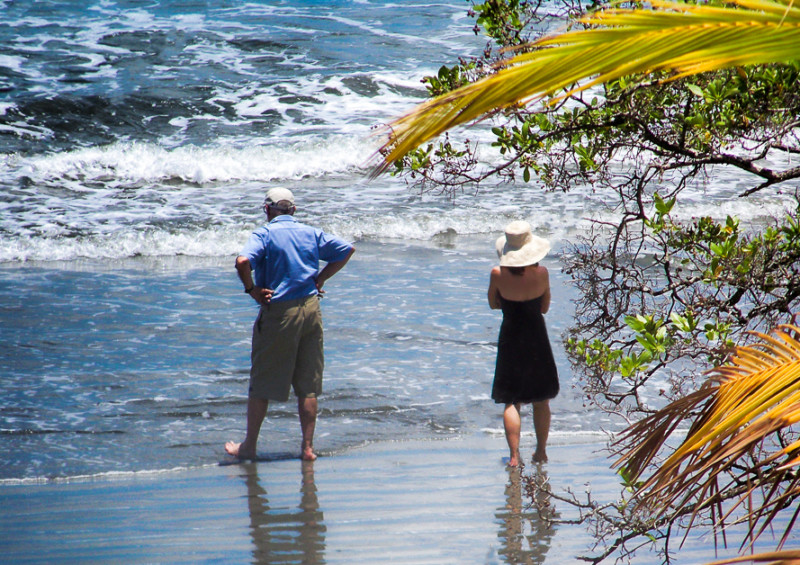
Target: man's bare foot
(308,454)
(540,456)
(237,450)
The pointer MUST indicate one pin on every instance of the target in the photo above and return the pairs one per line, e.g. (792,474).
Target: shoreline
(436,501)
(417,501)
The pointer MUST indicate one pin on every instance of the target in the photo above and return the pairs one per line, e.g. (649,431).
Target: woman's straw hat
(519,247)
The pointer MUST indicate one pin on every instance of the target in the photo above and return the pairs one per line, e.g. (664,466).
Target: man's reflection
(525,531)
(282,534)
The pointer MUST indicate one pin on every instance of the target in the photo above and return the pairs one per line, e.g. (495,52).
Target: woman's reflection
(283,534)
(525,530)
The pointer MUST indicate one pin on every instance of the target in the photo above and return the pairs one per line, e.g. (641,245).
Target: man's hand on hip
(262,295)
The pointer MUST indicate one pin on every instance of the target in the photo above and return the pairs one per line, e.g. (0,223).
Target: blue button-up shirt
(285,256)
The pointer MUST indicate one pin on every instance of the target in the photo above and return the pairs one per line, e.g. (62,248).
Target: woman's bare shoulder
(540,276)
(542,271)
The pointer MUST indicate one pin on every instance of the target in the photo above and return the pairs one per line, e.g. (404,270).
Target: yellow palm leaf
(744,403)
(788,557)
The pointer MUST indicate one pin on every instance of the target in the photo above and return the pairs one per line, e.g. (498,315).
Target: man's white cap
(279,197)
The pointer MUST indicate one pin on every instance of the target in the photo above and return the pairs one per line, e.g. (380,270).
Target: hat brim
(529,254)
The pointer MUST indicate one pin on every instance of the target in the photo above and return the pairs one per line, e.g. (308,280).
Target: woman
(525,371)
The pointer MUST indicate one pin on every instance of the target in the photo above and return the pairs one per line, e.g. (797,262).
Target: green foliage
(421,160)
(712,283)
(502,20)
(629,480)
(595,354)
(449,78)
(684,323)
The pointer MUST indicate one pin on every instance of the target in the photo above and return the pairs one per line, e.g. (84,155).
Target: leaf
(636,323)
(696,90)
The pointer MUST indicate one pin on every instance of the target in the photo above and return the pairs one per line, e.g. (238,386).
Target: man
(287,334)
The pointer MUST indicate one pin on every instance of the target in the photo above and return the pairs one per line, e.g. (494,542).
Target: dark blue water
(190,72)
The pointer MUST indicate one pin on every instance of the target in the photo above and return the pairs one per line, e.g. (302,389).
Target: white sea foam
(125,164)
(558,436)
(105,476)
(138,199)
(11,62)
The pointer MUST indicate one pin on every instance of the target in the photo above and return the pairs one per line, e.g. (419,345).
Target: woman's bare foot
(513,461)
(237,450)
(308,454)
(540,456)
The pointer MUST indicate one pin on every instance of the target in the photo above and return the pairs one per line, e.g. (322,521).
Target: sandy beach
(448,501)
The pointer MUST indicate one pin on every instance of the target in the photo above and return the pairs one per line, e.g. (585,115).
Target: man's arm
(245,272)
(332,268)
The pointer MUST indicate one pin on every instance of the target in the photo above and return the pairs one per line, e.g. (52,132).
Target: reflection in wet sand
(525,531)
(283,534)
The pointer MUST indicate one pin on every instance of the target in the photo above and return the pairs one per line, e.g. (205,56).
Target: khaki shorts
(287,350)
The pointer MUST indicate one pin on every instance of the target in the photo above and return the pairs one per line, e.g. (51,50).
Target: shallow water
(145,365)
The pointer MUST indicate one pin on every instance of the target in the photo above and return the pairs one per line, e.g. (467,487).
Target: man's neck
(271,217)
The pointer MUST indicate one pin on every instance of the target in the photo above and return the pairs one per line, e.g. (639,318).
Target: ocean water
(137,140)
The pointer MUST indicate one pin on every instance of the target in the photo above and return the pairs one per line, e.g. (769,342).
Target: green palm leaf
(683,38)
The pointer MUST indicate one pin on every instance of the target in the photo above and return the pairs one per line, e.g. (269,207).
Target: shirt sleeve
(332,248)
(255,249)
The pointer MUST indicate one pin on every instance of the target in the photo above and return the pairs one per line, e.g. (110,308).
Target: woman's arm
(494,293)
(546,295)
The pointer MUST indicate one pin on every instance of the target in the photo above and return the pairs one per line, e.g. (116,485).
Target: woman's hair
(518,271)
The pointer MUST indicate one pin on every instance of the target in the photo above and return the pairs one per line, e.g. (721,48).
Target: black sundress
(525,370)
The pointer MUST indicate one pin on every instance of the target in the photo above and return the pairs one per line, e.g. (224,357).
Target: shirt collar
(283,218)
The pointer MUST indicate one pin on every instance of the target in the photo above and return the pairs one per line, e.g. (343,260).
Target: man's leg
(541,424)
(512,425)
(256,412)
(307,380)
(307,408)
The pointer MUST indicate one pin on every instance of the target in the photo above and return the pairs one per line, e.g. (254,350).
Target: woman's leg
(541,424)
(512,424)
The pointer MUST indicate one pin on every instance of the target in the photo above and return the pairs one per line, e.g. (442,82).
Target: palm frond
(739,409)
(788,557)
(684,38)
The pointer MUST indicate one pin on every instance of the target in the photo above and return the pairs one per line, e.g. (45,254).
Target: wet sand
(448,501)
